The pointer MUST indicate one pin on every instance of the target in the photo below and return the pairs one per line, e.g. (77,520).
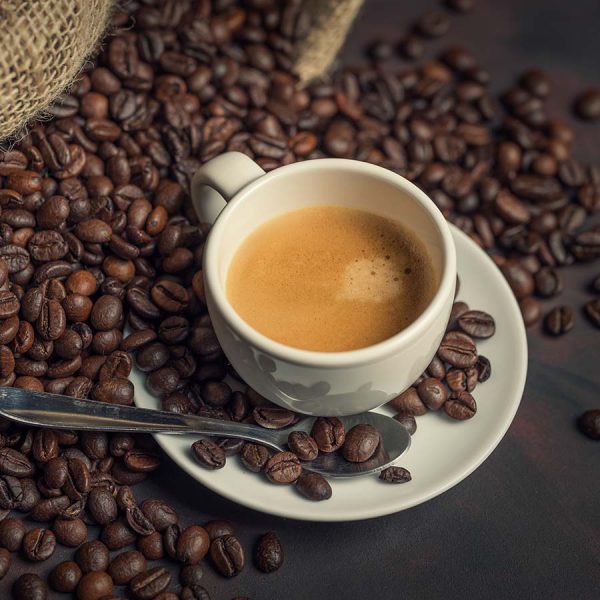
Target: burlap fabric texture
(43,45)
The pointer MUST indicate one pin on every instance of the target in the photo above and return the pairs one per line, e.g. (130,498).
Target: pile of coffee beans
(66,482)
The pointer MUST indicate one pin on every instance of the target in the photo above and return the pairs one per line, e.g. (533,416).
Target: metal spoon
(62,412)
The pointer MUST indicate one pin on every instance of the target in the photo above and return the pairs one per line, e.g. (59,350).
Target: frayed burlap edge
(331,21)
(43,47)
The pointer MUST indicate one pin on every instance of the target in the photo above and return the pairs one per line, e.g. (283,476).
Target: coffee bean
(30,586)
(151,546)
(92,556)
(587,105)
(13,462)
(328,433)
(458,349)
(559,320)
(192,545)
(519,279)
(268,553)
(227,555)
(65,577)
(477,324)
(303,445)
(313,486)
(361,443)
(592,310)
(408,402)
(461,407)
(11,534)
(94,585)
(395,475)
(548,282)
(272,417)
(149,584)
(589,424)
(433,24)
(283,468)
(407,421)
(70,532)
(125,566)
(137,521)
(208,454)
(38,544)
(102,506)
(159,513)
(432,392)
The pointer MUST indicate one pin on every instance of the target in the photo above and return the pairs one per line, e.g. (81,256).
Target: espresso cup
(237,196)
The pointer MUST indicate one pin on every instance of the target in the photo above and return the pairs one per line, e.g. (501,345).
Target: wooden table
(526,524)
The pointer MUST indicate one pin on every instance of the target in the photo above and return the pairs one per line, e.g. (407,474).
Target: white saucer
(443,452)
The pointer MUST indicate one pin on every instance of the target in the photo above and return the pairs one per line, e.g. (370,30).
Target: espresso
(330,278)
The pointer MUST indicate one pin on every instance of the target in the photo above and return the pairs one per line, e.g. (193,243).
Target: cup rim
(348,358)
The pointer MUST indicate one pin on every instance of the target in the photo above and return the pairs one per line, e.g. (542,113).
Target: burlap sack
(331,20)
(43,44)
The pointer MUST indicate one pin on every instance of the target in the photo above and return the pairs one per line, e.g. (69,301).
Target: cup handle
(219,180)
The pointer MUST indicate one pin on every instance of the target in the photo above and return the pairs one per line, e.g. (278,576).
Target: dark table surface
(526,524)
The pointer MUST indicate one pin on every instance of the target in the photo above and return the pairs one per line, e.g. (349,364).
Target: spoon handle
(63,412)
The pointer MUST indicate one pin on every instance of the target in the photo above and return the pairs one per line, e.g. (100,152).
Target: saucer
(443,451)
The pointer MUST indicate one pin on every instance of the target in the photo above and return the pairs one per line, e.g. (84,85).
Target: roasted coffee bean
(30,586)
(125,566)
(13,462)
(458,349)
(151,546)
(272,417)
(215,393)
(192,545)
(283,467)
(141,461)
(361,443)
(548,282)
(208,454)
(436,368)
(92,556)
(70,532)
(328,433)
(159,513)
(38,544)
(313,486)
(117,535)
(11,534)
(477,324)
(149,584)
(587,105)
(138,521)
(395,475)
(589,424)
(592,311)
(408,402)
(227,555)
(65,577)
(407,421)
(560,320)
(303,445)
(268,553)
(95,585)
(101,505)
(432,392)
(519,279)
(461,407)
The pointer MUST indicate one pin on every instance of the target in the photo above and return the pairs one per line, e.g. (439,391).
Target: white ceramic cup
(235,194)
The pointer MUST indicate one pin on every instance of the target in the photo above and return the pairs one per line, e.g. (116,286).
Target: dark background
(526,524)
